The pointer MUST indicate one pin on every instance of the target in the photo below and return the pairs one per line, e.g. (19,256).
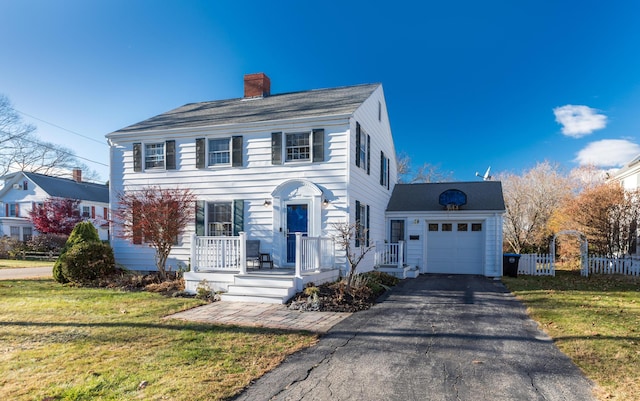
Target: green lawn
(594,320)
(64,343)
(18,264)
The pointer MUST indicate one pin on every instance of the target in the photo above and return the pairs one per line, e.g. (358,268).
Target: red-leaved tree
(156,216)
(56,216)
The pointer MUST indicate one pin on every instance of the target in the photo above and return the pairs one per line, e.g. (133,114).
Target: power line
(57,149)
(62,128)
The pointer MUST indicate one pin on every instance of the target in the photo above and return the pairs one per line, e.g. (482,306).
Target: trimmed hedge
(88,261)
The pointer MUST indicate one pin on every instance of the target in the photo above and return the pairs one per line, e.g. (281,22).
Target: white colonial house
(273,174)
(20,191)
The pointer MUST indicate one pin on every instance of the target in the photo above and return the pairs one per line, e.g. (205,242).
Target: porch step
(248,298)
(260,288)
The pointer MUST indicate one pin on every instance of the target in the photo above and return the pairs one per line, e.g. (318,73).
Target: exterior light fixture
(266,203)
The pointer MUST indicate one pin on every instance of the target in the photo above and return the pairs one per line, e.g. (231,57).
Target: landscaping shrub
(10,247)
(47,242)
(82,232)
(87,261)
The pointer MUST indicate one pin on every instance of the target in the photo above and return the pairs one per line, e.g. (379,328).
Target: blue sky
(468,84)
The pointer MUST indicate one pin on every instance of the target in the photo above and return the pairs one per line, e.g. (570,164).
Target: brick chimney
(256,85)
(77,175)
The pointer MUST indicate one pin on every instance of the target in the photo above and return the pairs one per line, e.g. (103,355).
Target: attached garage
(449,228)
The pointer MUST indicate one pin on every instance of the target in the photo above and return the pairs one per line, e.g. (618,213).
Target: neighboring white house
(22,190)
(450,228)
(629,177)
(629,174)
(265,165)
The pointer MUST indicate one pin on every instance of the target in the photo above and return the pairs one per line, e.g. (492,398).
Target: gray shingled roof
(66,188)
(319,102)
(481,195)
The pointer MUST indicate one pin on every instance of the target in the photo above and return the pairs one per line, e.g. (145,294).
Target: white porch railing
(228,254)
(626,265)
(536,264)
(389,254)
(314,254)
(218,253)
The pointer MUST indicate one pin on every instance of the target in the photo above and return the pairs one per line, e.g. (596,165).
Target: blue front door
(297,221)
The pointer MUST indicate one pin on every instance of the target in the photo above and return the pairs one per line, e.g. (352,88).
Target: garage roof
(482,195)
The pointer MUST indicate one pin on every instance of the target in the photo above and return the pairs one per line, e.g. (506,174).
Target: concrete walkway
(435,338)
(27,272)
(262,315)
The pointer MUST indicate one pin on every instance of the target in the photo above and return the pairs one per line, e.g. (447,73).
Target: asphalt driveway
(436,337)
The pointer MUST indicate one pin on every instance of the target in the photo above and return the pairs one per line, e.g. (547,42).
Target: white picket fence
(536,264)
(543,265)
(627,265)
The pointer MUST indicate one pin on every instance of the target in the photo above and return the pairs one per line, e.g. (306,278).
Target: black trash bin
(510,264)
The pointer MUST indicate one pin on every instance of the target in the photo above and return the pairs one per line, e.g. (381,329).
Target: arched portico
(297,207)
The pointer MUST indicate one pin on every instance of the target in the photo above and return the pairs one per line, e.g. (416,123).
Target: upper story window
(297,147)
(12,210)
(384,170)
(219,151)
(363,149)
(156,156)
(86,211)
(153,155)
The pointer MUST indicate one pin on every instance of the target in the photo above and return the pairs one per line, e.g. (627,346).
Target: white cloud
(578,121)
(608,153)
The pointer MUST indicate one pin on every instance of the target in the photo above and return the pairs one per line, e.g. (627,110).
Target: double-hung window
(297,146)
(86,211)
(12,210)
(154,155)
(384,170)
(219,151)
(363,149)
(220,219)
(362,224)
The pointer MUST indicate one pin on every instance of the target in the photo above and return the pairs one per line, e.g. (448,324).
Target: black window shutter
(238,216)
(358,226)
(236,151)
(357,144)
(381,168)
(137,157)
(199,219)
(318,145)
(367,228)
(170,154)
(200,152)
(369,154)
(388,173)
(276,148)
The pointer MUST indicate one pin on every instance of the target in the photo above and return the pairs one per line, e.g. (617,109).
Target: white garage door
(455,247)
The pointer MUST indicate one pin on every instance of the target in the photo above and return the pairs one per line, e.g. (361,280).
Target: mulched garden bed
(334,297)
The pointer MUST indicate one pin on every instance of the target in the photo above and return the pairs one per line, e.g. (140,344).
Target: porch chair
(254,255)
